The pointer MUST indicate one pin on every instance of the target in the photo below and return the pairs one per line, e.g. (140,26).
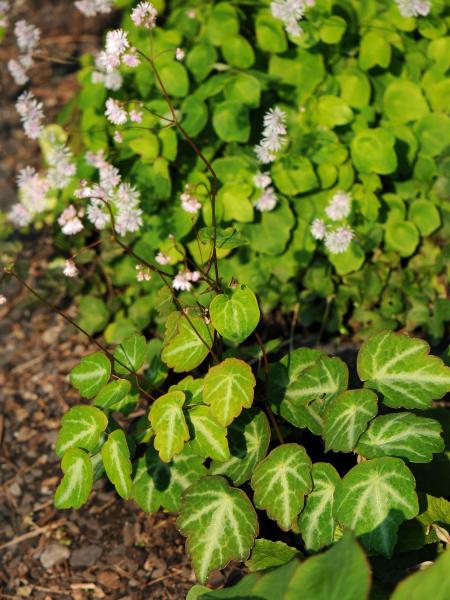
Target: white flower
(126,196)
(143,273)
(131,59)
(189,203)
(32,190)
(96,159)
(414,8)
(107,62)
(339,240)
(263,154)
(262,180)
(96,214)
(162,259)
(19,215)
(267,201)
(70,269)
(274,122)
(183,281)
(117,42)
(31,114)
(2,299)
(62,168)
(136,116)
(69,221)
(91,7)
(115,112)
(18,72)
(27,36)
(112,80)
(272,136)
(318,229)
(179,54)
(289,12)
(128,219)
(109,178)
(144,14)
(339,206)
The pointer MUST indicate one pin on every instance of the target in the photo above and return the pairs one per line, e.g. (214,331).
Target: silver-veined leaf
(158,484)
(131,354)
(373,499)
(91,374)
(401,368)
(267,554)
(235,314)
(248,440)
(402,434)
(111,396)
(219,522)
(228,388)
(317,523)
(187,343)
(280,482)
(81,427)
(116,460)
(209,438)
(193,389)
(346,418)
(169,425)
(73,491)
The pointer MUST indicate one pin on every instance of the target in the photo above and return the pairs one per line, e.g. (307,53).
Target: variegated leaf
(280,482)
(81,427)
(116,460)
(169,425)
(73,491)
(91,374)
(209,438)
(187,343)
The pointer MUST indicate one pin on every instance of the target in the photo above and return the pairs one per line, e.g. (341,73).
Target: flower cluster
(121,198)
(61,166)
(144,15)
(27,37)
(33,190)
(70,220)
(70,268)
(273,136)
(267,200)
(117,51)
(290,12)
(31,114)
(414,8)
(184,280)
(338,239)
(4,9)
(143,273)
(189,202)
(162,259)
(90,8)
(110,79)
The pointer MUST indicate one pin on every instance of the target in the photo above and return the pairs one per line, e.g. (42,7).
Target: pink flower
(144,15)
(70,269)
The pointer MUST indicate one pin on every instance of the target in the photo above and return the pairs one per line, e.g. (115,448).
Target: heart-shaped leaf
(280,483)
(346,418)
(168,423)
(187,343)
(373,499)
(219,522)
(158,484)
(317,522)
(248,440)
(91,374)
(131,354)
(228,388)
(111,396)
(81,427)
(401,369)
(116,460)
(404,435)
(235,314)
(209,438)
(73,491)
(267,554)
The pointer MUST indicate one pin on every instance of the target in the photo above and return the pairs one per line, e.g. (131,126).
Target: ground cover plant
(326,479)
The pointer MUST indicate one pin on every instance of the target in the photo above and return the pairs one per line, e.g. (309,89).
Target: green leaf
(193,389)
(267,554)
(373,499)
(355,87)
(437,511)
(175,79)
(432,582)
(333,111)
(226,239)
(317,523)
(81,427)
(112,395)
(425,216)
(168,423)
(373,151)
(91,374)
(238,52)
(346,418)
(231,121)
(73,491)
(270,34)
(219,522)
(374,50)
(159,484)
(403,101)
(200,60)
(235,314)
(222,24)
(401,369)
(403,435)
(116,460)
(131,353)
(280,482)
(195,115)
(402,236)
(209,438)
(189,345)
(228,388)
(248,440)
(93,314)
(333,29)
(243,88)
